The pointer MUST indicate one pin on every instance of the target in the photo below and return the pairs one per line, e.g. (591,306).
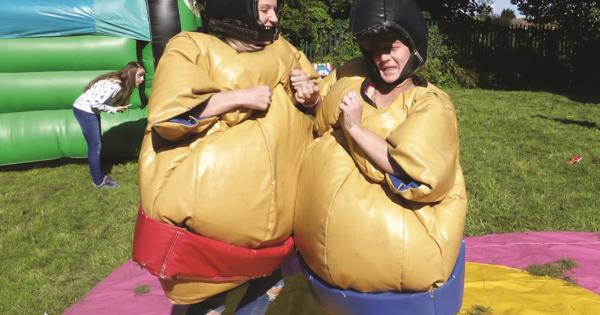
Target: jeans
(90,126)
(255,301)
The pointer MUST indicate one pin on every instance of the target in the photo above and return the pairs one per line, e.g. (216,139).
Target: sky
(499,5)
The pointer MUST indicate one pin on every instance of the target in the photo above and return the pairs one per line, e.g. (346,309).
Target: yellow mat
(505,290)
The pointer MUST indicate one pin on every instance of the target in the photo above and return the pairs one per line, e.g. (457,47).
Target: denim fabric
(90,126)
(255,301)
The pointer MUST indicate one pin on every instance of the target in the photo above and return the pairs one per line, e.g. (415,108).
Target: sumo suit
(230,178)
(357,227)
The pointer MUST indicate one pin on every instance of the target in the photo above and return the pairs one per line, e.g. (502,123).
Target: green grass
(515,147)
(555,269)
(59,236)
(479,310)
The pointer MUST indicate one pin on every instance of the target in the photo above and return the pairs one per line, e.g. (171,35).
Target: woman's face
(390,58)
(139,76)
(267,13)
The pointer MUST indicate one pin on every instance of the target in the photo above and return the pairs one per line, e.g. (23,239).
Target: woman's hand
(122,108)
(351,108)
(306,92)
(258,98)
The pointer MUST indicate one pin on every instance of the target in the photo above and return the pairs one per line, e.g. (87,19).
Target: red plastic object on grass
(171,252)
(575,158)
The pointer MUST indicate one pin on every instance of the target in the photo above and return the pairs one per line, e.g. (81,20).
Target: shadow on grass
(565,121)
(592,99)
(42,164)
(106,162)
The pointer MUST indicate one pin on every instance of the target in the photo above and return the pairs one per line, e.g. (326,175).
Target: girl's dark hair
(126,76)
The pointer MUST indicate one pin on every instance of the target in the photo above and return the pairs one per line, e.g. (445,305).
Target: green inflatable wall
(40,78)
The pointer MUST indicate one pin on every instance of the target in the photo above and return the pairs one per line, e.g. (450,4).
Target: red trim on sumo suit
(172,252)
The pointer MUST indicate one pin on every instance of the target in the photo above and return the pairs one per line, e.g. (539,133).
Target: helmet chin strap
(243,33)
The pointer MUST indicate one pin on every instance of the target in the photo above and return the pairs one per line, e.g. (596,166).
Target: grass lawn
(59,236)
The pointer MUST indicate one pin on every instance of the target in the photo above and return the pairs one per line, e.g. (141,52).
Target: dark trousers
(90,126)
(255,302)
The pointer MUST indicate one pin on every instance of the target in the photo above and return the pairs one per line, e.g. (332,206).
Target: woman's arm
(426,146)
(258,98)
(374,146)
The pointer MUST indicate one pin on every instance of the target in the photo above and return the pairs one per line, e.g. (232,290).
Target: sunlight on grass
(515,147)
(60,236)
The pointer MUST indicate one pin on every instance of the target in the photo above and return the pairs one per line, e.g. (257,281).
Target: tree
(339,9)
(578,18)
(299,28)
(484,8)
(447,11)
(507,14)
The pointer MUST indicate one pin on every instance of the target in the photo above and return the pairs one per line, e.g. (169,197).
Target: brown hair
(126,76)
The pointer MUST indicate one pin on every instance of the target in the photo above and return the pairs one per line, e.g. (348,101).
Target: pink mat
(116,294)
(519,250)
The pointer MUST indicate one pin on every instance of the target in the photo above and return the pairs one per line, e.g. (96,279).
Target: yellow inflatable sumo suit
(230,178)
(354,226)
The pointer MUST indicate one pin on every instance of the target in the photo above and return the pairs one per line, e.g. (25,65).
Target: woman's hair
(126,76)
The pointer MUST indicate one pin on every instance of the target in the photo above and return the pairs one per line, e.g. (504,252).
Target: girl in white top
(107,93)
(95,99)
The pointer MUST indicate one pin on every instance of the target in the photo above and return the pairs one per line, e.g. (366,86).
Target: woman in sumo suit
(382,203)
(221,157)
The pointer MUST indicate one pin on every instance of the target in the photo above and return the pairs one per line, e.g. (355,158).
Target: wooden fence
(483,37)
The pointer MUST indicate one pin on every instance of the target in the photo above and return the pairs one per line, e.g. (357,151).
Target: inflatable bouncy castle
(50,50)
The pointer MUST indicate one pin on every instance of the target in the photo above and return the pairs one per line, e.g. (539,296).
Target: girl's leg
(90,126)
(260,293)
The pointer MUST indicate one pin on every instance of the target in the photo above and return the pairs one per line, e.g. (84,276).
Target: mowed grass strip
(59,236)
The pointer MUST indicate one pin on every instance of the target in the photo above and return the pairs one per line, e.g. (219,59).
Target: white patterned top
(98,96)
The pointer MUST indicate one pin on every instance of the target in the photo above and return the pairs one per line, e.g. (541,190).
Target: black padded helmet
(376,21)
(238,19)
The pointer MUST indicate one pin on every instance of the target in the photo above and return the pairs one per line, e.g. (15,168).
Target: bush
(441,67)
(335,47)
